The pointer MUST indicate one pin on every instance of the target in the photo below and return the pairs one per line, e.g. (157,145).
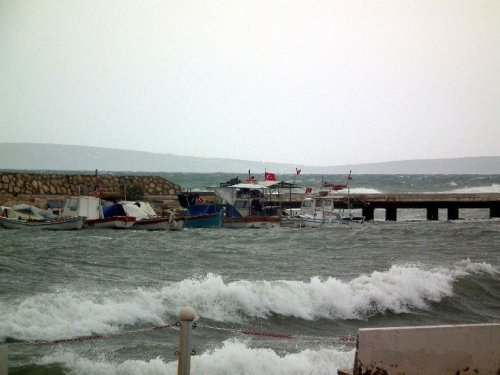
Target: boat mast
(349,205)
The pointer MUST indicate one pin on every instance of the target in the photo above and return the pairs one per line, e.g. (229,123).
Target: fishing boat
(98,216)
(318,210)
(245,205)
(147,219)
(290,217)
(72,223)
(199,214)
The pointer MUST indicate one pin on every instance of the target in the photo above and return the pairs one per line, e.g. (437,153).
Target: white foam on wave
(232,357)
(493,188)
(70,313)
(362,190)
(401,289)
(77,365)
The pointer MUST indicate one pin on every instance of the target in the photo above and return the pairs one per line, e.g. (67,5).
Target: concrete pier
(431,202)
(466,349)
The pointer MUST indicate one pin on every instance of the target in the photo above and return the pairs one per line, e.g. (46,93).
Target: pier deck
(432,202)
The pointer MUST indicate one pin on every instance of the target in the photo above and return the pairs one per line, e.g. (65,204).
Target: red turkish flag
(268,176)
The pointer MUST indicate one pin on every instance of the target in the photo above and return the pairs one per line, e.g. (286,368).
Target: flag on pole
(297,170)
(269,176)
(349,177)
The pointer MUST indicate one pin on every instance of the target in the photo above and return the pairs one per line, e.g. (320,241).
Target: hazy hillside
(28,156)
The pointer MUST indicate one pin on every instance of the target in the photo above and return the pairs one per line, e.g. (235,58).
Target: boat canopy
(34,212)
(139,210)
(113,210)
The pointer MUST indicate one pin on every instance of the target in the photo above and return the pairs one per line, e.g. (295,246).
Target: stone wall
(25,185)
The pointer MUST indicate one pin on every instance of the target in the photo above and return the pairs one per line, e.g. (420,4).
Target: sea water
(274,301)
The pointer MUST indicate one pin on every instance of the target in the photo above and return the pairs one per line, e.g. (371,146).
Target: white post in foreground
(4,359)
(186,316)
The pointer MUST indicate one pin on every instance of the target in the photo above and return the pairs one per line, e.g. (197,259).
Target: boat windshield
(323,202)
(72,204)
(307,203)
(241,204)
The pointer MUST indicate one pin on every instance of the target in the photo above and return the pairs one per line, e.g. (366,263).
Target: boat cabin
(87,206)
(246,200)
(318,205)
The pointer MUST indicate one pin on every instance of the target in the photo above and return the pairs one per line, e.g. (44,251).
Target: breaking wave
(231,357)
(70,313)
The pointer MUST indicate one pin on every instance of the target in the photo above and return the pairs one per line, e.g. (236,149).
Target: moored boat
(91,208)
(146,217)
(199,214)
(245,206)
(72,223)
(318,210)
(153,223)
(113,222)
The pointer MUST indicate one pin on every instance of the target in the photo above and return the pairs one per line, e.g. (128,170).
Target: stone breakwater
(28,186)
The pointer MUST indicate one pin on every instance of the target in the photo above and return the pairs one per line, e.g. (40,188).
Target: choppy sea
(273,301)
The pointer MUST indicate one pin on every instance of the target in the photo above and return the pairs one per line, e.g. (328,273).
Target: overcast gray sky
(306,82)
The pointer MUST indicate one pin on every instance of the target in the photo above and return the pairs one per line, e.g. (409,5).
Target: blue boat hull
(213,220)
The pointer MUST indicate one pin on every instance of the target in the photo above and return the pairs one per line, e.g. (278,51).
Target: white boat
(245,206)
(147,219)
(290,217)
(319,211)
(316,212)
(72,223)
(91,208)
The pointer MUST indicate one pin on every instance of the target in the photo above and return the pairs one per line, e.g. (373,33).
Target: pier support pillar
(432,213)
(495,211)
(391,213)
(368,212)
(453,213)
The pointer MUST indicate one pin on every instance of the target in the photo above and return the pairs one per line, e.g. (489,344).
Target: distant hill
(33,156)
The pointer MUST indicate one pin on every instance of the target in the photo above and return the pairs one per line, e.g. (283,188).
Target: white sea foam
(362,190)
(232,357)
(399,289)
(81,365)
(69,313)
(493,188)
